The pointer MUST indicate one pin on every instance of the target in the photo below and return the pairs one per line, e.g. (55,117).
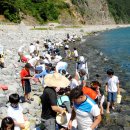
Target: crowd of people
(68,102)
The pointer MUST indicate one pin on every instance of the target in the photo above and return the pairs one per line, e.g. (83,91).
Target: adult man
(85,110)
(49,100)
(112,87)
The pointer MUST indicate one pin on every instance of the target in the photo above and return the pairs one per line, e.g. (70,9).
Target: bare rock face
(87,12)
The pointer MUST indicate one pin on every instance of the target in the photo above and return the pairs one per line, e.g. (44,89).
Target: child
(15,111)
(7,124)
(25,80)
(96,86)
(67,51)
(75,54)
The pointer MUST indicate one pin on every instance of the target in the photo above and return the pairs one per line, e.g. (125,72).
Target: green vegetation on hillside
(42,10)
(50,10)
(120,10)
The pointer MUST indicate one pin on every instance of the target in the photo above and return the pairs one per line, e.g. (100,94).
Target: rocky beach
(13,36)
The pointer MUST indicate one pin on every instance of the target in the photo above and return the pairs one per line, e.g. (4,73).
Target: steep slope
(91,11)
(66,11)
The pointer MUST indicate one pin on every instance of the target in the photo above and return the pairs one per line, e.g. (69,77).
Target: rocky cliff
(87,12)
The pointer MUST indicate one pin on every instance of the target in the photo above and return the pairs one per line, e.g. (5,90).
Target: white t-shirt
(58,57)
(61,66)
(76,53)
(37,47)
(112,83)
(83,66)
(46,61)
(16,114)
(33,61)
(21,49)
(31,48)
(28,57)
(66,46)
(73,84)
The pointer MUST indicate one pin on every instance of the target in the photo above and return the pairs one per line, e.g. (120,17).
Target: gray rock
(126,128)
(3,111)
(3,100)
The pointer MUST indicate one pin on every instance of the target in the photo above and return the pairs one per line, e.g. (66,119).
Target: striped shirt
(85,113)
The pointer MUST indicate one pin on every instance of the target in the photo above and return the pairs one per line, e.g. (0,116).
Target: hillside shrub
(9,11)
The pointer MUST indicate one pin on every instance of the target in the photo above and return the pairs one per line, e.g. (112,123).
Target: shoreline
(24,34)
(12,37)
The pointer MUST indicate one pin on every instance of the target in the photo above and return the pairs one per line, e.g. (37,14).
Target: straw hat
(56,80)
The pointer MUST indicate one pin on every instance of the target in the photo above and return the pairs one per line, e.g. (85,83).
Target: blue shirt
(43,73)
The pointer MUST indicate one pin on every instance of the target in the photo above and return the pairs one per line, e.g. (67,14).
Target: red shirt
(24,73)
(24,59)
(91,93)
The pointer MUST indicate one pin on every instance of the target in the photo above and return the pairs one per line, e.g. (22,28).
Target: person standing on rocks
(25,80)
(82,64)
(67,51)
(49,100)
(112,88)
(76,55)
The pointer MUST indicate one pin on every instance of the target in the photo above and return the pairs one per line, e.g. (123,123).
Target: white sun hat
(56,80)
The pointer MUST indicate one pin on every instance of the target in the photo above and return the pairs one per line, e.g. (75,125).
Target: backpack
(64,102)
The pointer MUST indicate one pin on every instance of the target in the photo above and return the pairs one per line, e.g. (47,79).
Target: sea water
(115,44)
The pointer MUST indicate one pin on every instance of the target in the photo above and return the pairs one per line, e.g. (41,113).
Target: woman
(7,124)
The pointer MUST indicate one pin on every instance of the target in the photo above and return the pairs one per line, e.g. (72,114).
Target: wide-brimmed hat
(56,80)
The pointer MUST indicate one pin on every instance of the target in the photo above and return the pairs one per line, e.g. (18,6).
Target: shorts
(27,87)
(49,124)
(111,97)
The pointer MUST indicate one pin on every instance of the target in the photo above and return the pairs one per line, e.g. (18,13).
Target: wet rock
(126,128)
